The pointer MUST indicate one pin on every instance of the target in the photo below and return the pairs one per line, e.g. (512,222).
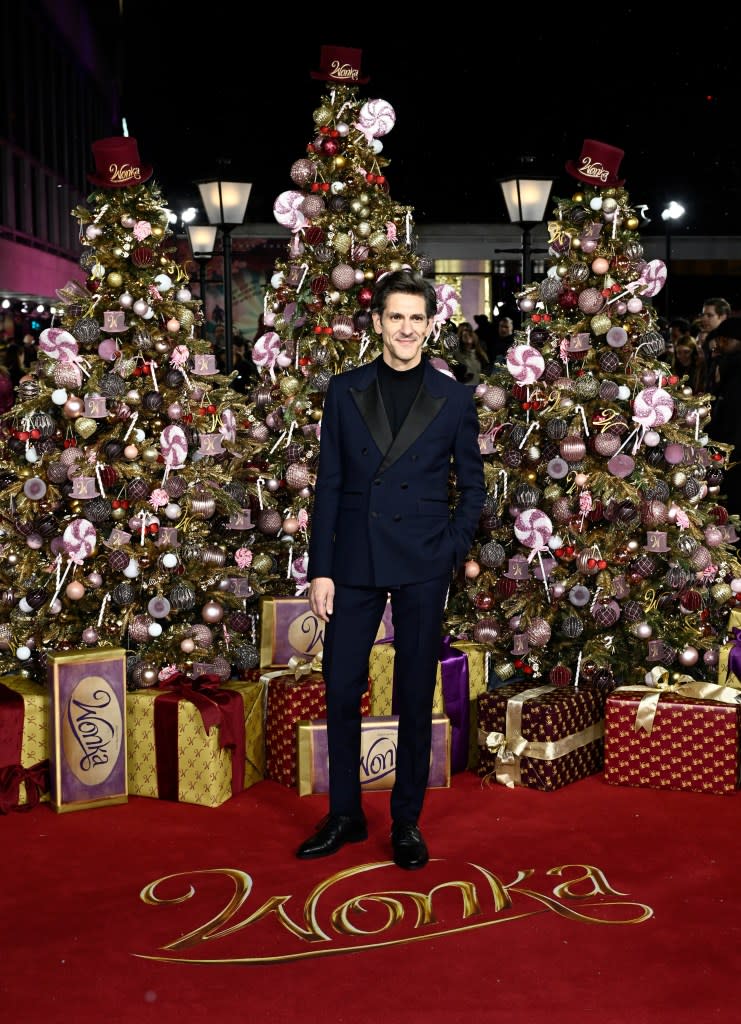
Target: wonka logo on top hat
(598,165)
(114,321)
(340,64)
(117,163)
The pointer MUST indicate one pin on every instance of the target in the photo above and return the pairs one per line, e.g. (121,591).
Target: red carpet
(591,903)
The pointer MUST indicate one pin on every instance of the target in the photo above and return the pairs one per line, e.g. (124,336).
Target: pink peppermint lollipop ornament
(54,341)
(376,118)
(525,363)
(652,407)
(533,528)
(651,280)
(265,350)
(79,540)
(287,210)
(174,446)
(447,302)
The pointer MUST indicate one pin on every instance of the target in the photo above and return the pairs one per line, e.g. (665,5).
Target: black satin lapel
(425,408)
(372,410)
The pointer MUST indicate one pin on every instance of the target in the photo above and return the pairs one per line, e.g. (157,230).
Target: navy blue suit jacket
(382,509)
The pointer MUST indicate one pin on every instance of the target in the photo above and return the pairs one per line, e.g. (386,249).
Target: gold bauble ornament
(118,514)
(679,479)
(185,316)
(316,415)
(578,197)
(601,324)
(150,456)
(322,116)
(562,269)
(157,231)
(114,279)
(721,593)
(339,161)
(289,386)
(262,563)
(576,243)
(378,240)
(632,223)
(85,427)
(369,275)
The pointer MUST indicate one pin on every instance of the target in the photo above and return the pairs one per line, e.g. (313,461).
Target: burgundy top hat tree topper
(598,165)
(340,64)
(117,163)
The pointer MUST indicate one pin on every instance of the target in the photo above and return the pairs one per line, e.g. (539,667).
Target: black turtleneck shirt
(398,390)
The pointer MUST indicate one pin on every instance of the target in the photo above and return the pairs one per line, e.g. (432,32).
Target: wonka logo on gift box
(288,628)
(92,734)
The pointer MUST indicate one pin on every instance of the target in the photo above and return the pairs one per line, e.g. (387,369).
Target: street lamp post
(526,198)
(225,203)
(202,238)
(672,212)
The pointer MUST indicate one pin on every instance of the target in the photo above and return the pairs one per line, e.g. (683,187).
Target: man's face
(710,319)
(403,326)
(505,327)
(724,346)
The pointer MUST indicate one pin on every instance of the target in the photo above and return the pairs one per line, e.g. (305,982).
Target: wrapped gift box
(461,708)
(726,677)
(544,737)
(291,700)
(693,743)
(381,672)
(205,773)
(378,740)
(289,628)
(24,743)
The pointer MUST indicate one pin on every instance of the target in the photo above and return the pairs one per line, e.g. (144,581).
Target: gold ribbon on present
(303,667)
(685,686)
(511,746)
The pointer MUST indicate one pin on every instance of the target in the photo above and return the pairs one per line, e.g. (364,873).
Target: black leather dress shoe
(410,849)
(332,833)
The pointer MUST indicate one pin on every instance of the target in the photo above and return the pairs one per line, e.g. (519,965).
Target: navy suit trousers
(417,610)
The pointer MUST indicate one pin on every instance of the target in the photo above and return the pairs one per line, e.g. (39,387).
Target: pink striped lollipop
(174,446)
(54,341)
(376,118)
(652,407)
(79,540)
(533,528)
(287,210)
(265,350)
(651,280)
(525,363)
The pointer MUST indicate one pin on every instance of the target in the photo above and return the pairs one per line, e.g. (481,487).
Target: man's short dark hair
(409,283)
(721,306)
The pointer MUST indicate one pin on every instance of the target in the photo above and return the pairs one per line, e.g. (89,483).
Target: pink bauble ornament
(75,591)
(472,569)
(600,265)
(212,612)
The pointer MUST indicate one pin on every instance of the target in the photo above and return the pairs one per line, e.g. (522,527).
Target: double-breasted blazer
(384,510)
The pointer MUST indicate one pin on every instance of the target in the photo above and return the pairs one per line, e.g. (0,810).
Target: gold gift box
(35,741)
(381,672)
(378,738)
(289,629)
(204,768)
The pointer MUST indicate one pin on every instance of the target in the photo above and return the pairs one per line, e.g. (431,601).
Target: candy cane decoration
(578,670)
(60,584)
(134,418)
(260,482)
(580,408)
(102,609)
(100,480)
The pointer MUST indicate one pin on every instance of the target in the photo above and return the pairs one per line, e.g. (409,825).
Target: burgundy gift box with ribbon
(197,740)
(24,764)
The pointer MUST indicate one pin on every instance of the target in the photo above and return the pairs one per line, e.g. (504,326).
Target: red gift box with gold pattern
(542,737)
(693,742)
(292,700)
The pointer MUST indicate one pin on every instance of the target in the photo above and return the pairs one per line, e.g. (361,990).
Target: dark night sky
(469,106)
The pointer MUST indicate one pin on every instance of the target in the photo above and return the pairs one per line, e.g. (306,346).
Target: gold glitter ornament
(322,115)
(85,427)
(378,241)
(289,386)
(600,324)
(262,563)
(721,593)
(185,316)
(341,242)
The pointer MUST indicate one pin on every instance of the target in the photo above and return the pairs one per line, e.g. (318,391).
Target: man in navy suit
(392,432)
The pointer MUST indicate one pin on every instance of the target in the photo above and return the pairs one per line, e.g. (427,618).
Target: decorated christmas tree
(125,481)
(346,231)
(604,546)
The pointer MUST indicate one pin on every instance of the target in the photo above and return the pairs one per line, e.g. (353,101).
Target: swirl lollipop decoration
(376,118)
(652,407)
(265,351)
(174,446)
(525,363)
(57,344)
(287,210)
(448,301)
(533,528)
(651,280)
(79,540)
